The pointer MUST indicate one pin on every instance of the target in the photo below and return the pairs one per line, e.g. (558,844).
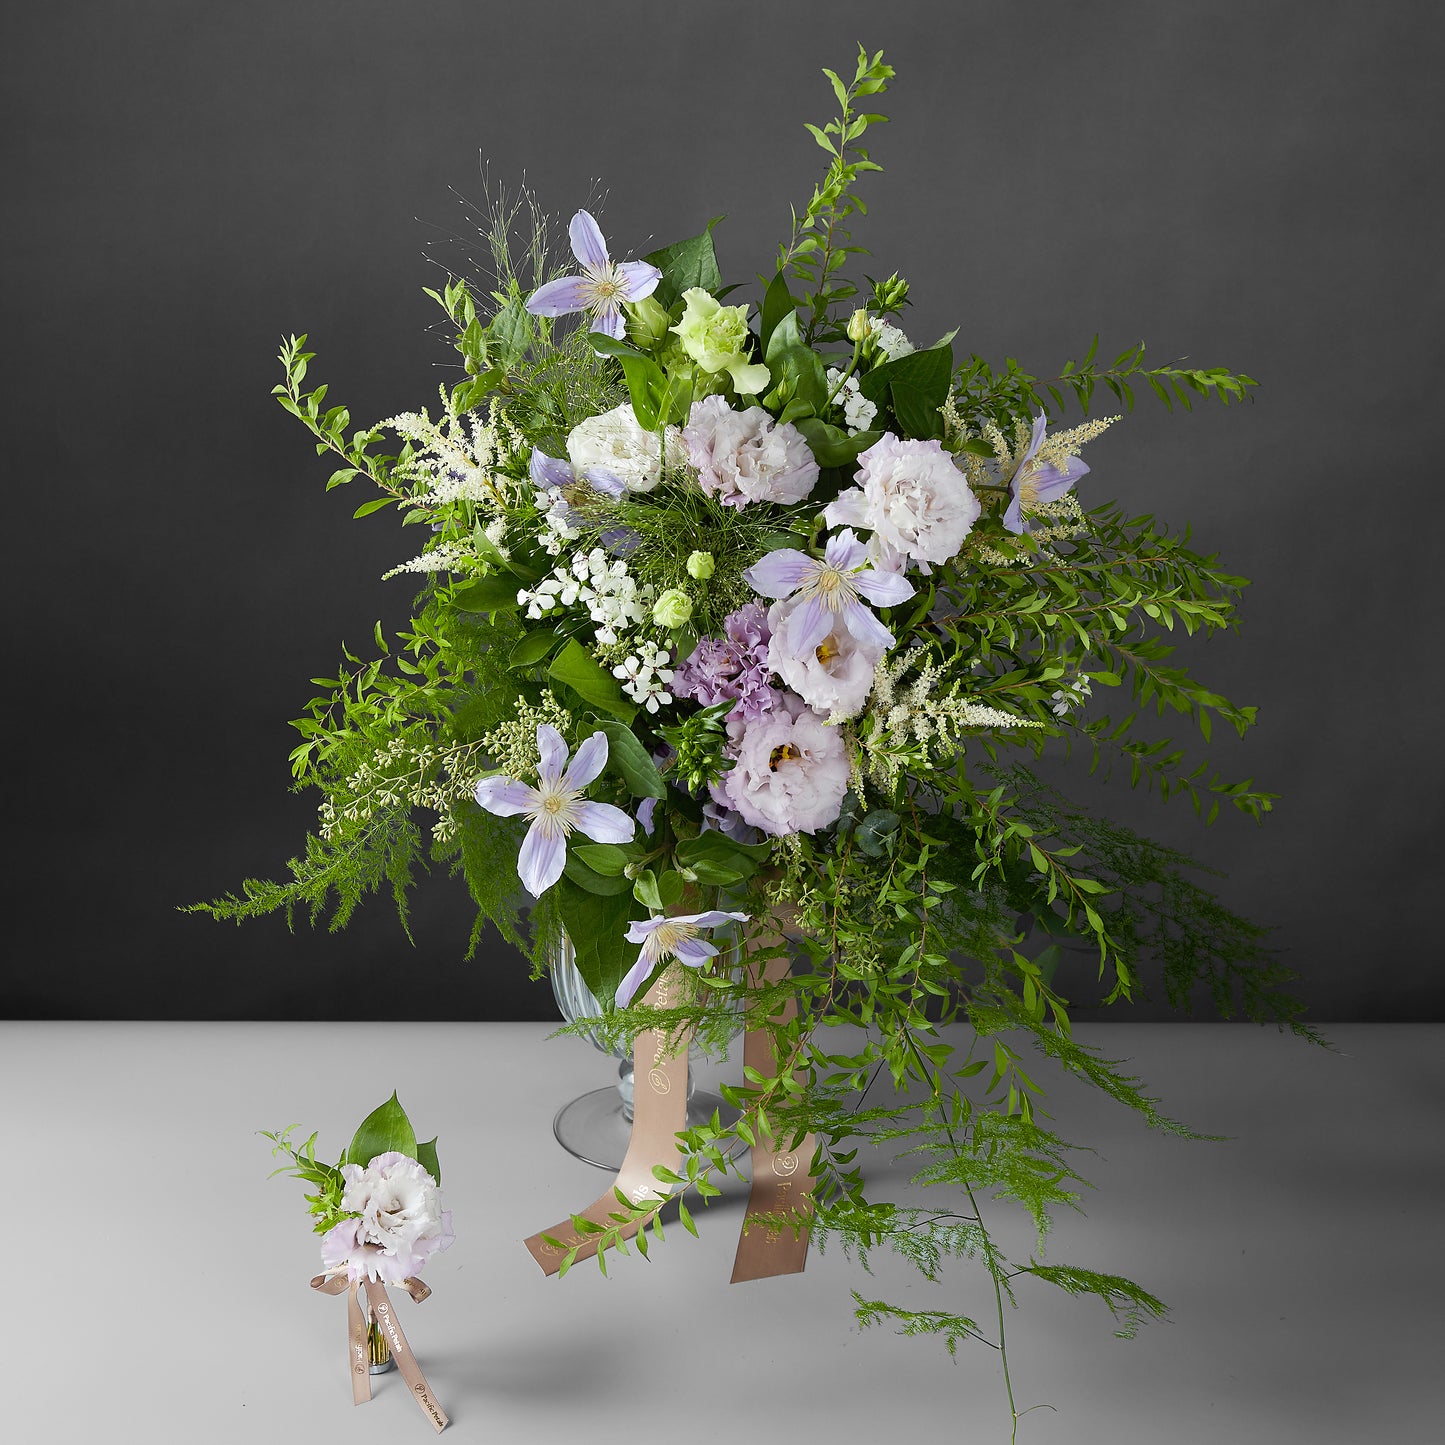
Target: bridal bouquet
(379,1215)
(741,616)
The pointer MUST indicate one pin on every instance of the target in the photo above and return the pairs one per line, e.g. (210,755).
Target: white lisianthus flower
(911,497)
(399,1221)
(835,677)
(615,443)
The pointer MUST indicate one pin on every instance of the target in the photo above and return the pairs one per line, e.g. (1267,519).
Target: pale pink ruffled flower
(745,456)
(912,498)
(791,771)
(834,677)
(400,1223)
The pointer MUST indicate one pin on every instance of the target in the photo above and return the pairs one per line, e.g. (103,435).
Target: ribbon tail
(782,1184)
(358,1347)
(401,1352)
(659,1114)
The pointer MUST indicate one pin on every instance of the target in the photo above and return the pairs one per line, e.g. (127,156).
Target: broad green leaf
(832,446)
(585,876)
(629,759)
(494,593)
(777,303)
(580,671)
(715,848)
(383,1130)
(915,386)
(596,924)
(605,858)
(426,1156)
(686,264)
(533,647)
(645,890)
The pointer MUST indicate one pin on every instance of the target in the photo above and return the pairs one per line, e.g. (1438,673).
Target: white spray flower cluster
(601,584)
(858,411)
(646,676)
(889,339)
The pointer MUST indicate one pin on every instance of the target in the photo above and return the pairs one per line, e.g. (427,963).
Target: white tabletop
(158,1281)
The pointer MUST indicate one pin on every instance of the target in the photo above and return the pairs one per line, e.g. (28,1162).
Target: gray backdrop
(1250,185)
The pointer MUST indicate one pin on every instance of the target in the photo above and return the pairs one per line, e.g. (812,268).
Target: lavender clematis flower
(556,807)
(674,937)
(552,473)
(830,590)
(601,288)
(1034,481)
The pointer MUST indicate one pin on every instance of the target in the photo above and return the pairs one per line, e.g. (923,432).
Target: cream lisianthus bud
(701,565)
(858,325)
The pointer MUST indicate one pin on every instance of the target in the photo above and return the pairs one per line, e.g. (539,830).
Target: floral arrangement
(378,1211)
(741,613)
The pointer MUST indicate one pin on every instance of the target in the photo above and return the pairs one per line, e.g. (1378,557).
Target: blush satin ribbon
(358,1352)
(782,1184)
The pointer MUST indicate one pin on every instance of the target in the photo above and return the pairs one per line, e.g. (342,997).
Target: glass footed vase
(597,1126)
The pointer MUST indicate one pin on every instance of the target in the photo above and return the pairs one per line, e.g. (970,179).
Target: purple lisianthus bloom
(675,937)
(601,288)
(831,590)
(791,772)
(731,668)
(1034,482)
(556,807)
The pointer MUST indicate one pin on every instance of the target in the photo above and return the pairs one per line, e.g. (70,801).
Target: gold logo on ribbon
(661,1084)
(785,1164)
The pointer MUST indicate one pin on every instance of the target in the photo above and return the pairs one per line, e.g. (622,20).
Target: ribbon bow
(385,1316)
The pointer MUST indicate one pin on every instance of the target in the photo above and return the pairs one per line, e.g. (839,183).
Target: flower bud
(701,566)
(891,294)
(858,325)
(672,609)
(647,322)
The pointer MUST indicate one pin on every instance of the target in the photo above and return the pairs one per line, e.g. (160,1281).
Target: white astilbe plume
(913,726)
(455,458)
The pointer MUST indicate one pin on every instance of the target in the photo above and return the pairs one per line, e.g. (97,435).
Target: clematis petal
(1036,440)
(780,573)
(636,976)
(844,551)
(640,928)
(807,627)
(589,760)
(543,856)
(587,243)
(645,810)
(603,823)
(638,279)
(557,298)
(694,952)
(548,471)
(608,320)
(1013,518)
(553,749)
(608,483)
(714,916)
(865,626)
(882,588)
(506,797)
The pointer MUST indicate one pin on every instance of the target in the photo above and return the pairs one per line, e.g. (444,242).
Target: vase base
(594,1129)
(382,1368)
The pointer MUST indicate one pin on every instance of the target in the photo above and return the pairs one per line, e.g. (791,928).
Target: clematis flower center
(553,803)
(606,287)
(669,935)
(830,581)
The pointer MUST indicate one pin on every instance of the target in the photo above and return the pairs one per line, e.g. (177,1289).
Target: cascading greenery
(953,874)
